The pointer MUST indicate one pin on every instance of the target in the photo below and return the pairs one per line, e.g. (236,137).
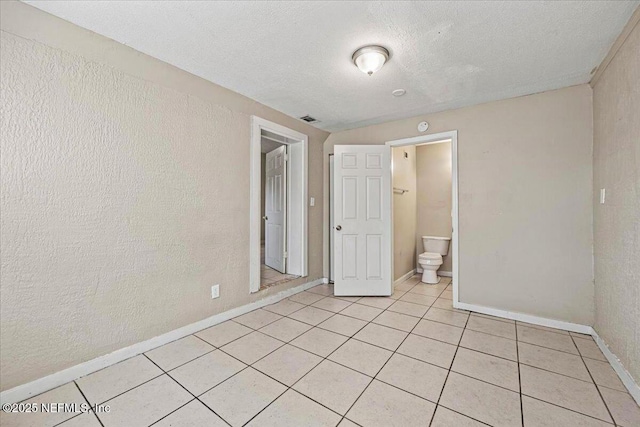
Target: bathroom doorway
(425,203)
(278,210)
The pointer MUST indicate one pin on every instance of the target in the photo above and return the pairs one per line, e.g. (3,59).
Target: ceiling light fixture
(370,59)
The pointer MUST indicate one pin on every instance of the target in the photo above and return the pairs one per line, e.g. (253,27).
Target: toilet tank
(435,244)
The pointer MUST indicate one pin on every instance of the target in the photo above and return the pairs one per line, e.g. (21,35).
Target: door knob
(265,218)
(338,227)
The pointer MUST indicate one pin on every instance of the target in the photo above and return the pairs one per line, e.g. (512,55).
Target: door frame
(434,139)
(331,220)
(297,191)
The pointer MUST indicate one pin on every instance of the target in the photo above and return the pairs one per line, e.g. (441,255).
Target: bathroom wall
(616,167)
(433,172)
(404,211)
(125,195)
(525,199)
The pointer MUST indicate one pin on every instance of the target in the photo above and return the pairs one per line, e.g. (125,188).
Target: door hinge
(286,255)
(286,157)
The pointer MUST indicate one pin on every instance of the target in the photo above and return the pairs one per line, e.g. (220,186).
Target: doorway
(348,163)
(278,210)
(450,262)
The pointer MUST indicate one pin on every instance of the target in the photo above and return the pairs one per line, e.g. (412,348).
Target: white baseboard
(404,276)
(440,272)
(625,376)
(57,379)
(528,318)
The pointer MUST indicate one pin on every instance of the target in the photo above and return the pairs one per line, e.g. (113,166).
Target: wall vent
(308,119)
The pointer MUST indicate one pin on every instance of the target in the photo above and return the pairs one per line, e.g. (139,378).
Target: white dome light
(370,59)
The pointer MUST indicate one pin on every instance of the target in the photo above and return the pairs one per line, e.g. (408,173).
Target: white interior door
(362,215)
(276,209)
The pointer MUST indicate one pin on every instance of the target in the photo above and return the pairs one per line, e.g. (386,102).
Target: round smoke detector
(423,126)
(398,92)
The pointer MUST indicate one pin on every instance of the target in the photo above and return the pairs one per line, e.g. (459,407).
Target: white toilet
(431,259)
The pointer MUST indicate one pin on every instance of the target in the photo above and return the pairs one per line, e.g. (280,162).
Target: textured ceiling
(296,56)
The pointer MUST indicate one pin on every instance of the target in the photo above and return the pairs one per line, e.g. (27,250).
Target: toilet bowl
(430,263)
(431,259)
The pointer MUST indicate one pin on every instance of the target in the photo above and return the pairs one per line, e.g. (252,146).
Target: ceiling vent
(308,119)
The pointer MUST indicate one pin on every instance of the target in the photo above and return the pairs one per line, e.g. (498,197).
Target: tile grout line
(323,358)
(519,376)
(287,387)
(132,388)
(568,409)
(367,322)
(194,396)
(438,404)
(87,400)
(392,354)
(77,415)
(383,365)
(174,411)
(188,361)
(449,370)
(553,372)
(594,383)
(567,376)
(289,343)
(327,358)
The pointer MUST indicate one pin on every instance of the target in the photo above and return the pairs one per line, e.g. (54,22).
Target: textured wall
(433,177)
(404,211)
(616,167)
(525,199)
(125,196)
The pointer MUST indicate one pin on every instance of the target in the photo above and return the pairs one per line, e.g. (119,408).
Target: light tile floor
(316,360)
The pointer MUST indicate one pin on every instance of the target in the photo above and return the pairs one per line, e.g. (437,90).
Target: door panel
(374,197)
(362,217)
(374,256)
(350,256)
(275,209)
(349,197)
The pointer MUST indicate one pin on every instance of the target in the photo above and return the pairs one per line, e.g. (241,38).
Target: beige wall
(525,199)
(404,211)
(433,172)
(616,167)
(125,195)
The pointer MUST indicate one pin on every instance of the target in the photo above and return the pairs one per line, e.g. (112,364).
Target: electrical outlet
(215,291)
